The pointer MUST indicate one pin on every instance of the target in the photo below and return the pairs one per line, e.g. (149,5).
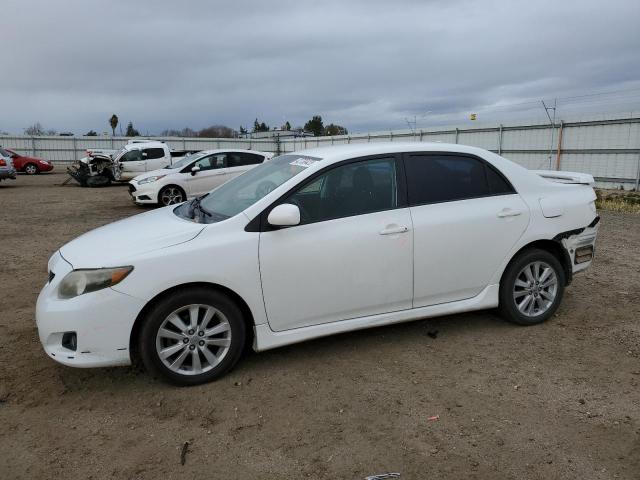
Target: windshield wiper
(197,207)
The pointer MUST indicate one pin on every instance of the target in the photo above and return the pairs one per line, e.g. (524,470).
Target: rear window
(433,178)
(151,153)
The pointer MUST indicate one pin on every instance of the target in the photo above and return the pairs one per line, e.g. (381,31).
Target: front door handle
(507,212)
(391,229)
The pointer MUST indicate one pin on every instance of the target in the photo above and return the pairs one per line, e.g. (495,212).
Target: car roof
(221,150)
(335,153)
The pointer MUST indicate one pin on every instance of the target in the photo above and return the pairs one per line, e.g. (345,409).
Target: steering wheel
(304,215)
(265,188)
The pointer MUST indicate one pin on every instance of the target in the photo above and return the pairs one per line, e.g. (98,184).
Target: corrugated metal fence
(609,149)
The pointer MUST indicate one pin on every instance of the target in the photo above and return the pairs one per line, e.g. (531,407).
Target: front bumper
(101,320)
(144,194)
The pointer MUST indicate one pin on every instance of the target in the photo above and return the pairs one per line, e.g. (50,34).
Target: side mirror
(285,215)
(195,170)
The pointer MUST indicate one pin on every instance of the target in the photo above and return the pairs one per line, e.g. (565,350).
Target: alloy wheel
(535,288)
(31,169)
(171,196)
(193,339)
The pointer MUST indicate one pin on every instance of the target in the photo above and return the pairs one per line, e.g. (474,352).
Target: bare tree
(35,130)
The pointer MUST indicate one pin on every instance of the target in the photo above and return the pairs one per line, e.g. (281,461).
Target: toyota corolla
(316,243)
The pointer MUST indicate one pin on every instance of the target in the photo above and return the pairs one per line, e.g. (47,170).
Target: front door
(351,255)
(212,173)
(131,164)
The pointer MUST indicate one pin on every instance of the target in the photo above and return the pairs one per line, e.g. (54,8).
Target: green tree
(243,130)
(315,126)
(113,121)
(287,126)
(332,129)
(91,133)
(260,127)
(131,132)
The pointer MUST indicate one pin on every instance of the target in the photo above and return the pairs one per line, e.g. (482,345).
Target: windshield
(187,159)
(120,153)
(244,190)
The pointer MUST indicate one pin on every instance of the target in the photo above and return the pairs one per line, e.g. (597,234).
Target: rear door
(155,158)
(240,162)
(466,218)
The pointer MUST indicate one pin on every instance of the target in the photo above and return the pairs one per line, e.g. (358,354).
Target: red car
(28,165)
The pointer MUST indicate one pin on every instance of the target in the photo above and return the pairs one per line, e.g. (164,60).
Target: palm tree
(113,121)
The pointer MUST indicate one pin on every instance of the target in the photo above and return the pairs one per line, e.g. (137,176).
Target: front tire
(193,336)
(532,287)
(30,169)
(171,195)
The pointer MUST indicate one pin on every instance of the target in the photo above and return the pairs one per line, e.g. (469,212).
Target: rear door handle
(391,229)
(507,212)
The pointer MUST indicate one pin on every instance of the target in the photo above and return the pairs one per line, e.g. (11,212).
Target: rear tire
(532,287)
(193,336)
(31,169)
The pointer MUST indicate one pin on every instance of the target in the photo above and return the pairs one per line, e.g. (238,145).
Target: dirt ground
(559,400)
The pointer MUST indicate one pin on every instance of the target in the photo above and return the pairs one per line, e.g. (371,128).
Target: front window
(352,189)
(241,192)
(129,156)
(183,162)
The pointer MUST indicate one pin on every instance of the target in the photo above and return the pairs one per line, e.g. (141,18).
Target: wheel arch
(552,246)
(247,315)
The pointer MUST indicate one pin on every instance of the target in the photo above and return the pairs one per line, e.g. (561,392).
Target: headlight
(151,179)
(78,282)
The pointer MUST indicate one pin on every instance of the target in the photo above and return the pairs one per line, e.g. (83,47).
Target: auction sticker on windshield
(303,162)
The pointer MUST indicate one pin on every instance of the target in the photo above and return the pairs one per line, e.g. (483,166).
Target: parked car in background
(193,175)
(26,164)
(6,167)
(316,243)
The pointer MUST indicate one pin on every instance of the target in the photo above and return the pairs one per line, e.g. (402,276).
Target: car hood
(117,243)
(154,173)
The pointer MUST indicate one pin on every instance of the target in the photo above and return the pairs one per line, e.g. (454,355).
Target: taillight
(3,163)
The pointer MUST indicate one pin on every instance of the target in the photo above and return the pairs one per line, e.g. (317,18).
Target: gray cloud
(362,64)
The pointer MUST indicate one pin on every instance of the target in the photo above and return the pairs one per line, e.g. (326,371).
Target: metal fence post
(457,133)
(559,152)
(638,174)
(500,140)
(184,143)
(33,146)
(421,132)
(75,148)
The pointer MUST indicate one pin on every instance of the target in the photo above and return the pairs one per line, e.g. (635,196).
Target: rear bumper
(580,245)
(7,173)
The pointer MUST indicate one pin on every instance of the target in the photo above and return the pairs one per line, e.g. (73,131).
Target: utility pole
(553,125)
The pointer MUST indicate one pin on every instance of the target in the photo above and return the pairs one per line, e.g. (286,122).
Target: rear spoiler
(566,177)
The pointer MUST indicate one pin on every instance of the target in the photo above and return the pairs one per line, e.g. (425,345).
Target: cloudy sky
(367,65)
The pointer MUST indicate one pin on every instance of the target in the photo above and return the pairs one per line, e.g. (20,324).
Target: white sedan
(315,243)
(192,176)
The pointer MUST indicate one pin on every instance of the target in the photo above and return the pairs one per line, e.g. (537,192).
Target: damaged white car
(103,166)
(316,243)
